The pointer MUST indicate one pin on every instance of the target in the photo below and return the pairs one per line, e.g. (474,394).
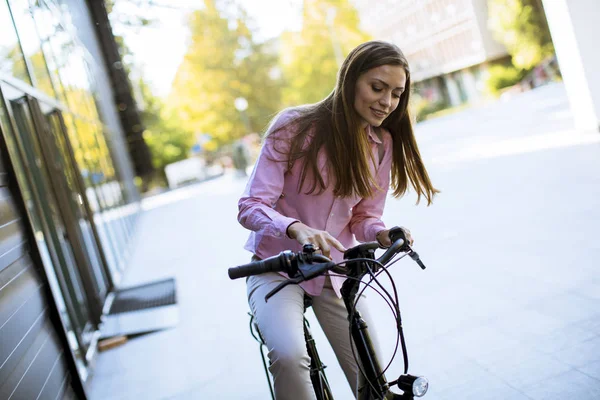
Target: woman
(322,177)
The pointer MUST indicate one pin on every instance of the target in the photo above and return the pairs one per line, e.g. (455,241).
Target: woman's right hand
(322,240)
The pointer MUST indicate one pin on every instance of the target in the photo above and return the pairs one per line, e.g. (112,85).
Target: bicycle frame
(317,368)
(365,350)
(377,386)
(360,334)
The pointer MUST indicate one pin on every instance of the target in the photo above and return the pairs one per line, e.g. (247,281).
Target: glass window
(82,135)
(61,159)
(62,276)
(48,25)
(11,57)
(32,46)
(80,62)
(74,74)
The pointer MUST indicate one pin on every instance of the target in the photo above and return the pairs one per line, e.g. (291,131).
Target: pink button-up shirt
(271,202)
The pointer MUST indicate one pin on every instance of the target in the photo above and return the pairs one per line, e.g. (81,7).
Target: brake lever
(283,284)
(309,271)
(415,256)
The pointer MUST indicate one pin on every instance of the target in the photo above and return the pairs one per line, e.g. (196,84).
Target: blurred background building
(447,42)
(453,49)
(71,146)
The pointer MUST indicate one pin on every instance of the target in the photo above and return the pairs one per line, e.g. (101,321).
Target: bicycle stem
(364,346)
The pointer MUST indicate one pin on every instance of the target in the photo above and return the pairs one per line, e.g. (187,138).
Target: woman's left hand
(383,237)
(408,235)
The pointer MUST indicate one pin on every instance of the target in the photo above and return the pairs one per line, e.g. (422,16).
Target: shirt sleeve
(265,185)
(366,215)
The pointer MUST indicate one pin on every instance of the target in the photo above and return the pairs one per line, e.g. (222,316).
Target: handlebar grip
(397,233)
(253,268)
(272,264)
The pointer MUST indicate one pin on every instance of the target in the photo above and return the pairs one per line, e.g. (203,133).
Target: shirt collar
(372,135)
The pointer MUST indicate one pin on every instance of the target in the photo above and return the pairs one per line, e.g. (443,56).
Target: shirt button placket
(331,214)
(335,200)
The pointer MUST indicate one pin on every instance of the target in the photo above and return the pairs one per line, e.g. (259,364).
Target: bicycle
(307,264)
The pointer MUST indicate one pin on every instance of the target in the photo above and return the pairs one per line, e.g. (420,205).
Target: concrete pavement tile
(467,379)
(483,387)
(443,364)
(122,388)
(592,369)
(444,372)
(568,307)
(522,366)
(478,341)
(524,323)
(559,339)
(589,289)
(445,377)
(570,385)
(581,354)
(237,388)
(591,324)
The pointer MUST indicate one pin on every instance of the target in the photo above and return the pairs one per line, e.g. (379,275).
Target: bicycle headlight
(420,386)
(417,385)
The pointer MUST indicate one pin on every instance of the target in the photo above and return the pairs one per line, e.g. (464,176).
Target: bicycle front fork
(317,368)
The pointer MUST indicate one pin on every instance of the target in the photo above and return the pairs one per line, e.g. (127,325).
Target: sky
(159,49)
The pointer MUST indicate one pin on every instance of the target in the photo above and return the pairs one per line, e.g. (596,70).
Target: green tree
(167,139)
(130,20)
(224,62)
(521,26)
(311,58)
(164,134)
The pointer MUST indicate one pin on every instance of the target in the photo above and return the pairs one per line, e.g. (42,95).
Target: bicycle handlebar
(308,264)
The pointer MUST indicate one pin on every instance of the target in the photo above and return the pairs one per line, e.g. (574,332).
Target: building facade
(446,42)
(68,202)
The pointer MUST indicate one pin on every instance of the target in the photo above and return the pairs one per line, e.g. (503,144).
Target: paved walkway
(509,307)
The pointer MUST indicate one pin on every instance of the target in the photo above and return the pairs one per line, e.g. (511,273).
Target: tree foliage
(127,19)
(223,62)
(311,58)
(167,139)
(503,76)
(521,26)
(165,136)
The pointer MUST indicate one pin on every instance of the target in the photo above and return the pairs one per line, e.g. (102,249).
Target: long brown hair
(336,127)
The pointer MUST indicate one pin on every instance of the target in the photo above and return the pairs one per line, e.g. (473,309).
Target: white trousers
(280,322)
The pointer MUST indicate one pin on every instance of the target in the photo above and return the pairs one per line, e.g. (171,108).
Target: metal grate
(150,295)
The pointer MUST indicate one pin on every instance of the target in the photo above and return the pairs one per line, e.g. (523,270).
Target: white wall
(575,29)
(492,48)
